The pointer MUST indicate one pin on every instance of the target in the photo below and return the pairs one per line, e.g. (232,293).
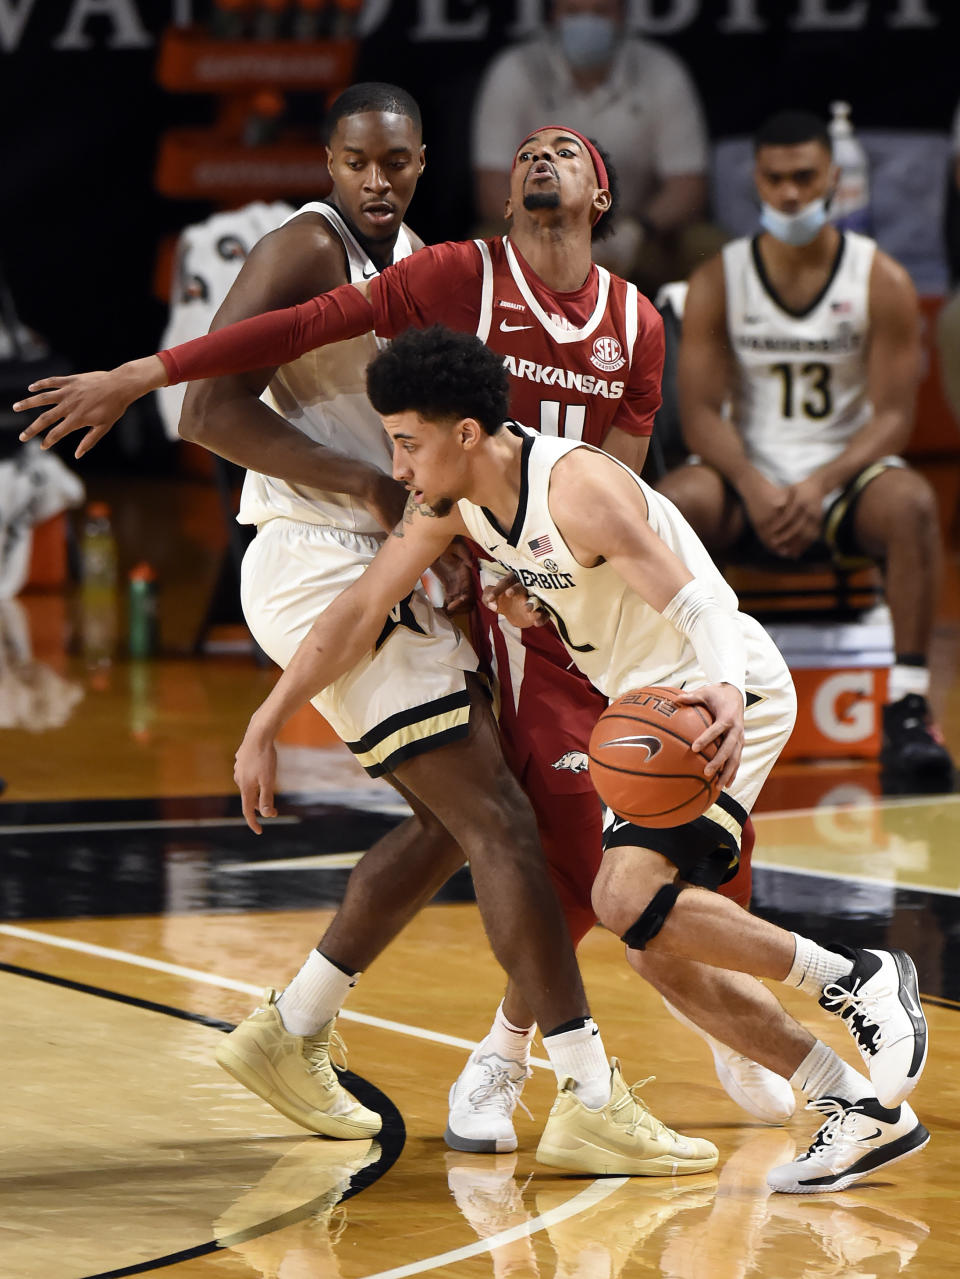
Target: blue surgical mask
(795,228)
(587,39)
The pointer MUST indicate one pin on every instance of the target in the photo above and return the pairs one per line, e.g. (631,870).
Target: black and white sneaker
(856,1139)
(880,1003)
(912,744)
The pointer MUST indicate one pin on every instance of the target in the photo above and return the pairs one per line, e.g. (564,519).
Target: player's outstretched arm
(340,636)
(96,400)
(90,402)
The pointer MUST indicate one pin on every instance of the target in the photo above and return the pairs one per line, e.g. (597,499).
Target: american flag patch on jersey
(541,546)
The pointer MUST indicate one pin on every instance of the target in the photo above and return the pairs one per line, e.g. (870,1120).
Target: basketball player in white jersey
(638,602)
(410,708)
(584,351)
(811,334)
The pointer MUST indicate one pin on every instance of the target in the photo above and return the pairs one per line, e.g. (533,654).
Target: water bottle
(143,712)
(142,611)
(98,586)
(850,207)
(262,125)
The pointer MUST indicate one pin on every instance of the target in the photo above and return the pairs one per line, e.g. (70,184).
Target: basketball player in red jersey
(584,350)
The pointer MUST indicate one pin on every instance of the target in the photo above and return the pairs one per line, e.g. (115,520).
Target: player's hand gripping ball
(641,762)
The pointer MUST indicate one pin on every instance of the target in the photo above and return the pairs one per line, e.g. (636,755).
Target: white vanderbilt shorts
(768,719)
(410,694)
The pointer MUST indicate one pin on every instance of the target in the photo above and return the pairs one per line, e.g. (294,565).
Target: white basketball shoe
(755,1089)
(482,1101)
(857,1138)
(880,1003)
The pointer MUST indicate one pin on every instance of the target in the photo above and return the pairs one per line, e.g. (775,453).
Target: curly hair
(443,376)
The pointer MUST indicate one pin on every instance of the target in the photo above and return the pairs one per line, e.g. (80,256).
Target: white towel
(209,257)
(34,486)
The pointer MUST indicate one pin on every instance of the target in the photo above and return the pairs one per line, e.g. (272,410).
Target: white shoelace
(849,1004)
(499,1091)
(836,1130)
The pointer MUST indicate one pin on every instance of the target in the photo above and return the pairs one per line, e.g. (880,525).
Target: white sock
(579,1055)
(508,1041)
(813,966)
(314,996)
(823,1073)
(907,679)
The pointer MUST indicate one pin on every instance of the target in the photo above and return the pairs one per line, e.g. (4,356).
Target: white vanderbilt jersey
(616,638)
(801,380)
(324,394)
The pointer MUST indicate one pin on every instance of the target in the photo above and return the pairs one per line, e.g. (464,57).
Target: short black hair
(605,226)
(443,376)
(790,129)
(372,95)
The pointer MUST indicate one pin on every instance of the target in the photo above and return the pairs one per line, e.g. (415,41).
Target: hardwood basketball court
(141,920)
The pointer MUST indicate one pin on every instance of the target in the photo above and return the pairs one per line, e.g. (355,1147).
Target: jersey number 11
(573,419)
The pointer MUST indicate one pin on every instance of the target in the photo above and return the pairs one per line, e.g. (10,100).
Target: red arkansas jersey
(579,362)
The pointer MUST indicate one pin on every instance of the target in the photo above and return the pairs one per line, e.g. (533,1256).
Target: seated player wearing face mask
(811,336)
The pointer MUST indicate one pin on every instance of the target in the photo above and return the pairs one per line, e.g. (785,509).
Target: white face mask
(587,39)
(797,228)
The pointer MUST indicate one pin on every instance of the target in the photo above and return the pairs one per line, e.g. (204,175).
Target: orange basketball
(641,762)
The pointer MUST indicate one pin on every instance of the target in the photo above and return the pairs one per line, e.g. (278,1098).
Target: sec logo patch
(608,355)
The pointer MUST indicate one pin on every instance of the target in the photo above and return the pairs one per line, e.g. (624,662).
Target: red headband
(599,167)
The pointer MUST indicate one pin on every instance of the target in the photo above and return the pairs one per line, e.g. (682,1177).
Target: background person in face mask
(811,336)
(634,97)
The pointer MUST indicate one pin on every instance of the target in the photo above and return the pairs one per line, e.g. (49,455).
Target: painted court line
(314,861)
(864,806)
(229,983)
(872,881)
(593,1194)
(186,823)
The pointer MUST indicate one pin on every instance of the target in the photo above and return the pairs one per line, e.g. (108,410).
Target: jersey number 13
(805,387)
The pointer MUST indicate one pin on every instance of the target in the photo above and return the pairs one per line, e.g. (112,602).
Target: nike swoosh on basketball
(513,328)
(652,745)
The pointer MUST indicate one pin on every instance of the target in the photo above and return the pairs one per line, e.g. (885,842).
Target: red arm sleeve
(641,396)
(275,338)
(441,284)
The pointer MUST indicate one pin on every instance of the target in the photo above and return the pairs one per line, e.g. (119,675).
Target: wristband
(714,633)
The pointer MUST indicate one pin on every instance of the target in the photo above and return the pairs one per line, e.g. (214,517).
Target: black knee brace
(653,918)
